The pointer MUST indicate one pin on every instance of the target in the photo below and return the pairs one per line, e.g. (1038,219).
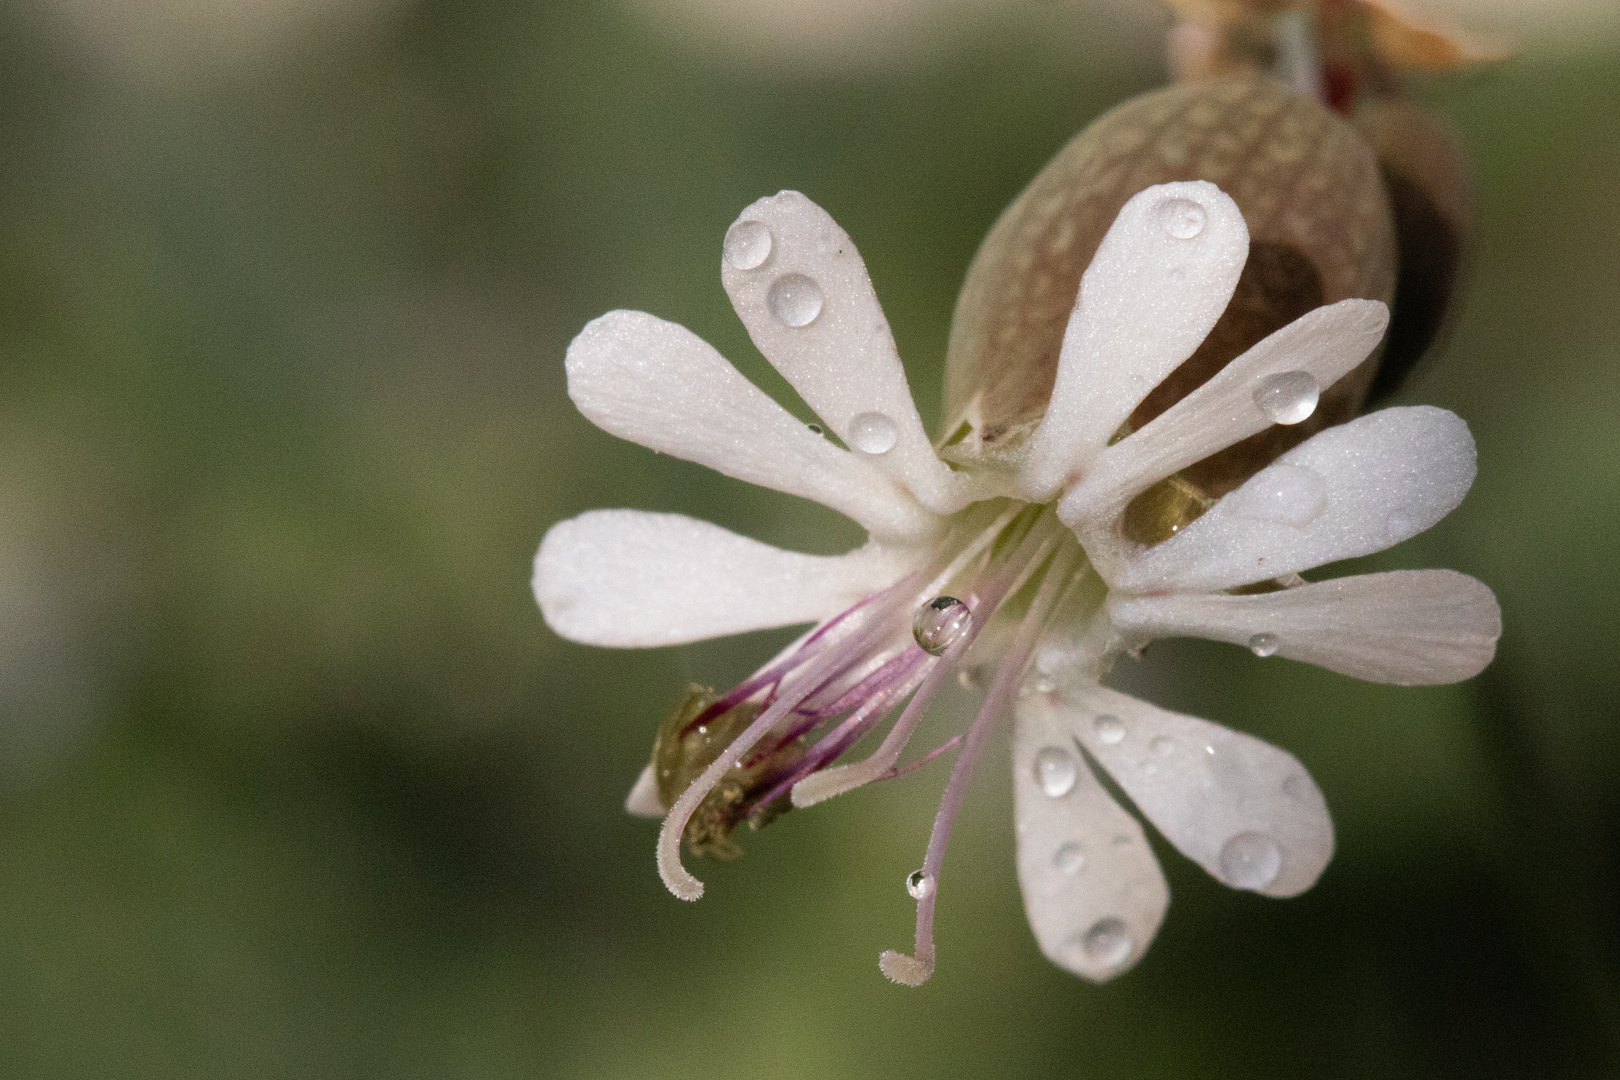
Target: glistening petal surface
(635,579)
(1350,490)
(1092,887)
(1149,298)
(658,384)
(1409,627)
(810,308)
(1241,808)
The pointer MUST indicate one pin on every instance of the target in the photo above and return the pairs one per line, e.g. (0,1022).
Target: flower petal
(658,384)
(636,579)
(1324,344)
(1159,281)
(1092,887)
(643,798)
(1409,627)
(1242,809)
(801,289)
(1346,491)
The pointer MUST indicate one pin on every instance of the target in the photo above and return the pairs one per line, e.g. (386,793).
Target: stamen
(916,970)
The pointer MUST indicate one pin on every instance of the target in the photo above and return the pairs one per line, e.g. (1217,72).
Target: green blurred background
(295,783)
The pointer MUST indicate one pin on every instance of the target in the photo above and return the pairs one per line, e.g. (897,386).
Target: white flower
(984,567)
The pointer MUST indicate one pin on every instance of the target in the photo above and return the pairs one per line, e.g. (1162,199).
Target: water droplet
(1069,858)
(1055,771)
(1110,729)
(873,433)
(1181,218)
(1250,860)
(1285,493)
(1399,526)
(794,299)
(1107,942)
(1162,745)
(748,244)
(1263,645)
(941,623)
(1288,396)
(919,884)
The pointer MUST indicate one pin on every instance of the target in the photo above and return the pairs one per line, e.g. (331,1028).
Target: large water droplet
(1110,729)
(1069,858)
(1055,771)
(748,244)
(1181,218)
(1288,396)
(1107,942)
(1250,860)
(919,884)
(794,299)
(1285,493)
(1263,645)
(941,623)
(873,433)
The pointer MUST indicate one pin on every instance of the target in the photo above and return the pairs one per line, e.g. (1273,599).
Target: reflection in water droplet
(1110,729)
(794,299)
(1288,396)
(1263,645)
(941,623)
(872,433)
(1069,858)
(1285,493)
(919,884)
(1181,218)
(748,244)
(1162,745)
(1250,860)
(1055,771)
(1108,942)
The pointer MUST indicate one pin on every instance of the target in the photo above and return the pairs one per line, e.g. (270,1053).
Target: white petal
(643,798)
(1147,301)
(1092,887)
(658,384)
(1242,809)
(1410,627)
(1324,343)
(635,579)
(809,306)
(1347,491)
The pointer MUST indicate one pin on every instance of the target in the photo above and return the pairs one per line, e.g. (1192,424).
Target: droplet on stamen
(919,884)
(1055,771)
(1250,860)
(748,244)
(794,299)
(1264,645)
(941,623)
(1288,397)
(873,433)
(1181,218)
(1110,729)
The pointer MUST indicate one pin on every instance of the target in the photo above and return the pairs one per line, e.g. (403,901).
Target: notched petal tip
(904,969)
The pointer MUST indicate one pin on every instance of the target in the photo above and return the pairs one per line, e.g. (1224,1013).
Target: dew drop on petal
(1286,493)
(919,884)
(794,299)
(941,623)
(1250,860)
(1055,771)
(1110,729)
(1263,645)
(873,433)
(1070,858)
(1181,218)
(1107,942)
(748,244)
(1288,397)
(1162,745)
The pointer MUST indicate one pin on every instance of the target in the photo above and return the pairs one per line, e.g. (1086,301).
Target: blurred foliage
(293,780)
